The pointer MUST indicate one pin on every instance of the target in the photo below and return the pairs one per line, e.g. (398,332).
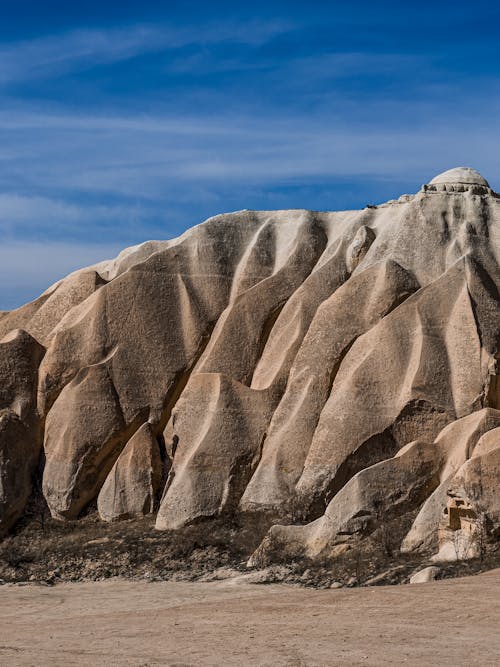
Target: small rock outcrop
(424,576)
(132,486)
(319,373)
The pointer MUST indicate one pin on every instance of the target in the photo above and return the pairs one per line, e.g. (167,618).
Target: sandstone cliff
(328,369)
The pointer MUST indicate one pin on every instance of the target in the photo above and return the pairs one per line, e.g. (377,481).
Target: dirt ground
(116,622)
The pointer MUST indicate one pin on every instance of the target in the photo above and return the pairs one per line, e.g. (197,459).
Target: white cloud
(28,268)
(57,53)
(161,158)
(22,216)
(15,209)
(53,55)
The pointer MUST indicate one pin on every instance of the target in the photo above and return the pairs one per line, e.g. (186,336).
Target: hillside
(320,375)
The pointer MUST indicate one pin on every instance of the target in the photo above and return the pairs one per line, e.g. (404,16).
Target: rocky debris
(90,549)
(424,576)
(387,577)
(329,373)
(273,574)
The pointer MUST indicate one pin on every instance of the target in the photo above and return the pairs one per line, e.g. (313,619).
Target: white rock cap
(460,175)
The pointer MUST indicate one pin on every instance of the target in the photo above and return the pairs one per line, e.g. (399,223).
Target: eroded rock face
(472,512)
(20,429)
(457,443)
(275,365)
(219,426)
(133,484)
(390,487)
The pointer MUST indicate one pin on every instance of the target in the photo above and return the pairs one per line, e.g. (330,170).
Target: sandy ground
(117,622)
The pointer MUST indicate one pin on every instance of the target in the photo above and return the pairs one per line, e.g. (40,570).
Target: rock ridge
(326,369)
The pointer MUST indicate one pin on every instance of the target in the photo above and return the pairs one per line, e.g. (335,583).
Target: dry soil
(117,622)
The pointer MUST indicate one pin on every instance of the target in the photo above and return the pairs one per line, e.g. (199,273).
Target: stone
(20,428)
(463,175)
(391,487)
(80,454)
(472,512)
(430,573)
(133,484)
(458,442)
(353,308)
(19,453)
(219,428)
(41,316)
(315,374)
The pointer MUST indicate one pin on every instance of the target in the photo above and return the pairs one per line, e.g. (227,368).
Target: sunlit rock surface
(317,368)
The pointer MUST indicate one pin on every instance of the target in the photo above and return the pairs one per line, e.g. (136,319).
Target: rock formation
(329,370)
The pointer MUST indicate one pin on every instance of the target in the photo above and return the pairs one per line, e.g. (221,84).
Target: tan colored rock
(19,452)
(80,454)
(20,356)
(389,488)
(358,248)
(241,334)
(457,442)
(20,432)
(407,380)
(487,442)
(132,486)
(430,573)
(149,327)
(284,354)
(219,425)
(472,514)
(41,316)
(352,309)
(293,321)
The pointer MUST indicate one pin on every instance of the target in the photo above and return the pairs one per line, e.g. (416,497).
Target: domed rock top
(462,176)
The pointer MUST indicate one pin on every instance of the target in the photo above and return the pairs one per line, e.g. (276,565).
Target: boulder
(430,573)
(132,486)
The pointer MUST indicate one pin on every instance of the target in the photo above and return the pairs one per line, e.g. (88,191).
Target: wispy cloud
(110,136)
(59,53)
(54,55)
(24,216)
(28,268)
(149,157)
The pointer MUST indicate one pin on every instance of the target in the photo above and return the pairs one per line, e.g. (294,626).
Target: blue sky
(124,121)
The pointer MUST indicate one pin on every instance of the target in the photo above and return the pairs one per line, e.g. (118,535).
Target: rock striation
(319,372)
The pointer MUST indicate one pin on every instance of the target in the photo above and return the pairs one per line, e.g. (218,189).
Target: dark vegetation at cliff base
(51,552)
